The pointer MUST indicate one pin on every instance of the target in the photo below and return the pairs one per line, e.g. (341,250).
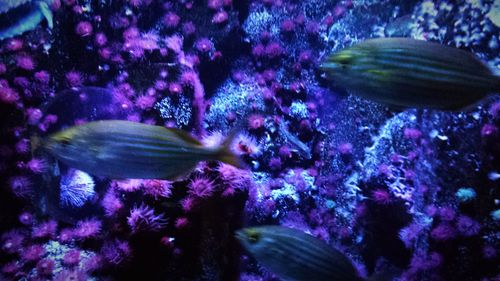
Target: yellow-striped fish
(123,149)
(404,72)
(294,255)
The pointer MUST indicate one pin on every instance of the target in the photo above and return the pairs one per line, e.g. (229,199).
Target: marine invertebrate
(21,186)
(142,218)
(443,232)
(33,253)
(45,267)
(204,45)
(87,229)
(77,188)
(201,187)
(467,226)
(12,241)
(25,62)
(171,20)
(46,229)
(116,252)
(157,188)
(84,29)
(72,258)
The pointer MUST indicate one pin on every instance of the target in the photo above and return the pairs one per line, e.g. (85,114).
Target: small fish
(17,17)
(294,255)
(122,149)
(301,148)
(409,73)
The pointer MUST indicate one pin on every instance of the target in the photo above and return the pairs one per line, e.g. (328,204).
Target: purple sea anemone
(143,218)
(116,252)
(87,229)
(201,187)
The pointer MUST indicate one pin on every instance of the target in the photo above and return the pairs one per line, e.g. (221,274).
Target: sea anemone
(21,186)
(467,226)
(201,187)
(45,267)
(33,253)
(443,232)
(171,20)
(84,29)
(45,229)
(143,218)
(71,258)
(111,203)
(86,229)
(204,45)
(116,252)
(157,188)
(77,188)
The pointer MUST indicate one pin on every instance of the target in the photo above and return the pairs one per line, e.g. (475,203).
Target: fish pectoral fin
(185,136)
(47,13)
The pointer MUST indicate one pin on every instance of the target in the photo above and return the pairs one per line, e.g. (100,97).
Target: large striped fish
(403,73)
(123,149)
(294,255)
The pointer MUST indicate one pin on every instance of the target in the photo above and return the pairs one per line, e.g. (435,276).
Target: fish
(301,148)
(17,17)
(494,14)
(296,256)
(409,73)
(121,149)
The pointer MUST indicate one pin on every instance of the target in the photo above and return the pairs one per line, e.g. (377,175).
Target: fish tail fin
(226,155)
(47,13)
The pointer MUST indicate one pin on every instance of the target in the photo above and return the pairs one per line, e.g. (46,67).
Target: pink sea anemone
(201,187)
(171,20)
(25,62)
(143,218)
(84,29)
(87,229)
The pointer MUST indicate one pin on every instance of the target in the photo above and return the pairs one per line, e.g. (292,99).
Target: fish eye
(253,236)
(343,59)
(64,142)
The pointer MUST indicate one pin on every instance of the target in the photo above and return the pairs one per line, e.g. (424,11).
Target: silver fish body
(123,149)
(294,255)
(409,73)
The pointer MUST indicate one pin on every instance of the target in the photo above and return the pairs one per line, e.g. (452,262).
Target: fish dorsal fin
(185,136)
(45,10)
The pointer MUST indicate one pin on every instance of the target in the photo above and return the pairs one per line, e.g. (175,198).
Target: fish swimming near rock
(19,16)
(294,255)
(123,149)
(409,73)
